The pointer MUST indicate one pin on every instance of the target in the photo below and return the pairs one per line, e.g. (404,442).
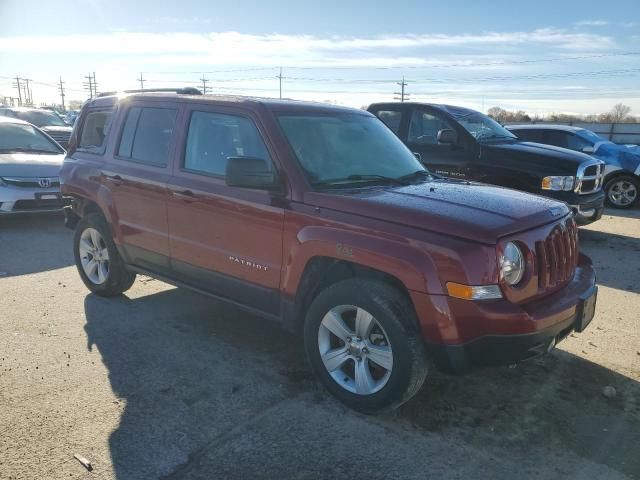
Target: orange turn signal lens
(478,292)
(460,291)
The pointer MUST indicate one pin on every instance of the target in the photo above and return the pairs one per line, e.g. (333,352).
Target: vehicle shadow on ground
(187,368)
(616,258)
(34,243)
(555,401)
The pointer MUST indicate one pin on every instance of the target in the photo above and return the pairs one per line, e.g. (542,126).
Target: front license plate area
(47,196)
(586,311)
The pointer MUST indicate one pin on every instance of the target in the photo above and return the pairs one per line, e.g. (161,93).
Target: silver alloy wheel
(94,256)
(622,193)
(358,357)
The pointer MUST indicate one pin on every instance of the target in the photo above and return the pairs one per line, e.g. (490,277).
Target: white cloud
(593,23)
(238,48)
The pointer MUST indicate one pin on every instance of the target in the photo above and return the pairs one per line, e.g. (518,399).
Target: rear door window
(214,137)
(146,135)
(93,136)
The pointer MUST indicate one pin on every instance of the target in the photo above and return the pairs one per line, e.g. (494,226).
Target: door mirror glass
(250,172)
(418,156)
(447,136)
(588,149)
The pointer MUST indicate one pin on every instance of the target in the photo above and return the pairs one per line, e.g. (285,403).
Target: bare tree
(620,112)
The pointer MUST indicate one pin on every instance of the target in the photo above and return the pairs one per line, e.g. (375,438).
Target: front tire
(97,259)
(622,191)
(362,341)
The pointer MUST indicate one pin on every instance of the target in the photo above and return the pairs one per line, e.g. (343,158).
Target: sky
(541,57)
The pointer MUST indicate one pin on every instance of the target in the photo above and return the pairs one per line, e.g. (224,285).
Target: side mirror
(250,172)
(447,136)
(418,156)
(588,149)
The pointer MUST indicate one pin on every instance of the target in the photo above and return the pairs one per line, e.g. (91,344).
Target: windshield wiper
(360,178)
(417,174)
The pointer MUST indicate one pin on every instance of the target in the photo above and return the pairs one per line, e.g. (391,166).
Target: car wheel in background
(362,340)
(622,191)
(97,259)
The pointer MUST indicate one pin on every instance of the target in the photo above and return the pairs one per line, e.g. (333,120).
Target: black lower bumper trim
(494,350)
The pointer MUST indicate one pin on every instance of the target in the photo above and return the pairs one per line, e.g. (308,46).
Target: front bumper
(588,208)
(497,332)
(22,200)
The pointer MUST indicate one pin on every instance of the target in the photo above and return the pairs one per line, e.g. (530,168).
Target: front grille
(26,205)
(557,256)
(31,182)
(61,137)
(589,178)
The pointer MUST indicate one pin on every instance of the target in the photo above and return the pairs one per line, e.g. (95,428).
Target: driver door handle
(115,179)
(186,195)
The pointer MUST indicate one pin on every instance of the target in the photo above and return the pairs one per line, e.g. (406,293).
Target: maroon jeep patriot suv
(320,217)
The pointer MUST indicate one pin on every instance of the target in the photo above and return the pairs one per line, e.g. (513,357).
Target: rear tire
(363,343)
(622,191)
(97,259)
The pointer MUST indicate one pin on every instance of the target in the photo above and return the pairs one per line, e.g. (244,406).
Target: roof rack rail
(182,91)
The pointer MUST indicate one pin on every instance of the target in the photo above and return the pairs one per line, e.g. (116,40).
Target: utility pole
(141,80)
(88,85)
(279,77)
(27,91)
(401,93)
(204,84)
(19,87)
(62,94)
(95,85)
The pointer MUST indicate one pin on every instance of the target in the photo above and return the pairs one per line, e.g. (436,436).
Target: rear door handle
(115,179)
(186,195)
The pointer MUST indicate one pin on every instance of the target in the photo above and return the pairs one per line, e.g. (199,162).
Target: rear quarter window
(391,119)
(94,132)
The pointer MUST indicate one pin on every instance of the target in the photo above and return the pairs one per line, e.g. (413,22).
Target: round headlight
(512,264)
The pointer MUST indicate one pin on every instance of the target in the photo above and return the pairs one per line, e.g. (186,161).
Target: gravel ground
(164,383)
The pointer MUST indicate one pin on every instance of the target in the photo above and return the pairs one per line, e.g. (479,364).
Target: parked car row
(462,143)
(622,162)
(30,162)
(321,218)
(48,121)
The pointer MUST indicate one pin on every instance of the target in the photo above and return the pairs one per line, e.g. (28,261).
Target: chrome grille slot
(589,177)
(557,256)
(61,137)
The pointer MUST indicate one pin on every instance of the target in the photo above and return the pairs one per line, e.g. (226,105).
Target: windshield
(484,128)
(15,137)
(590,136)
(346,148)
(41,118)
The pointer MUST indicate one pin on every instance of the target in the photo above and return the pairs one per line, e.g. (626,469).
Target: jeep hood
(30,165)
(474,211)
(547,158)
